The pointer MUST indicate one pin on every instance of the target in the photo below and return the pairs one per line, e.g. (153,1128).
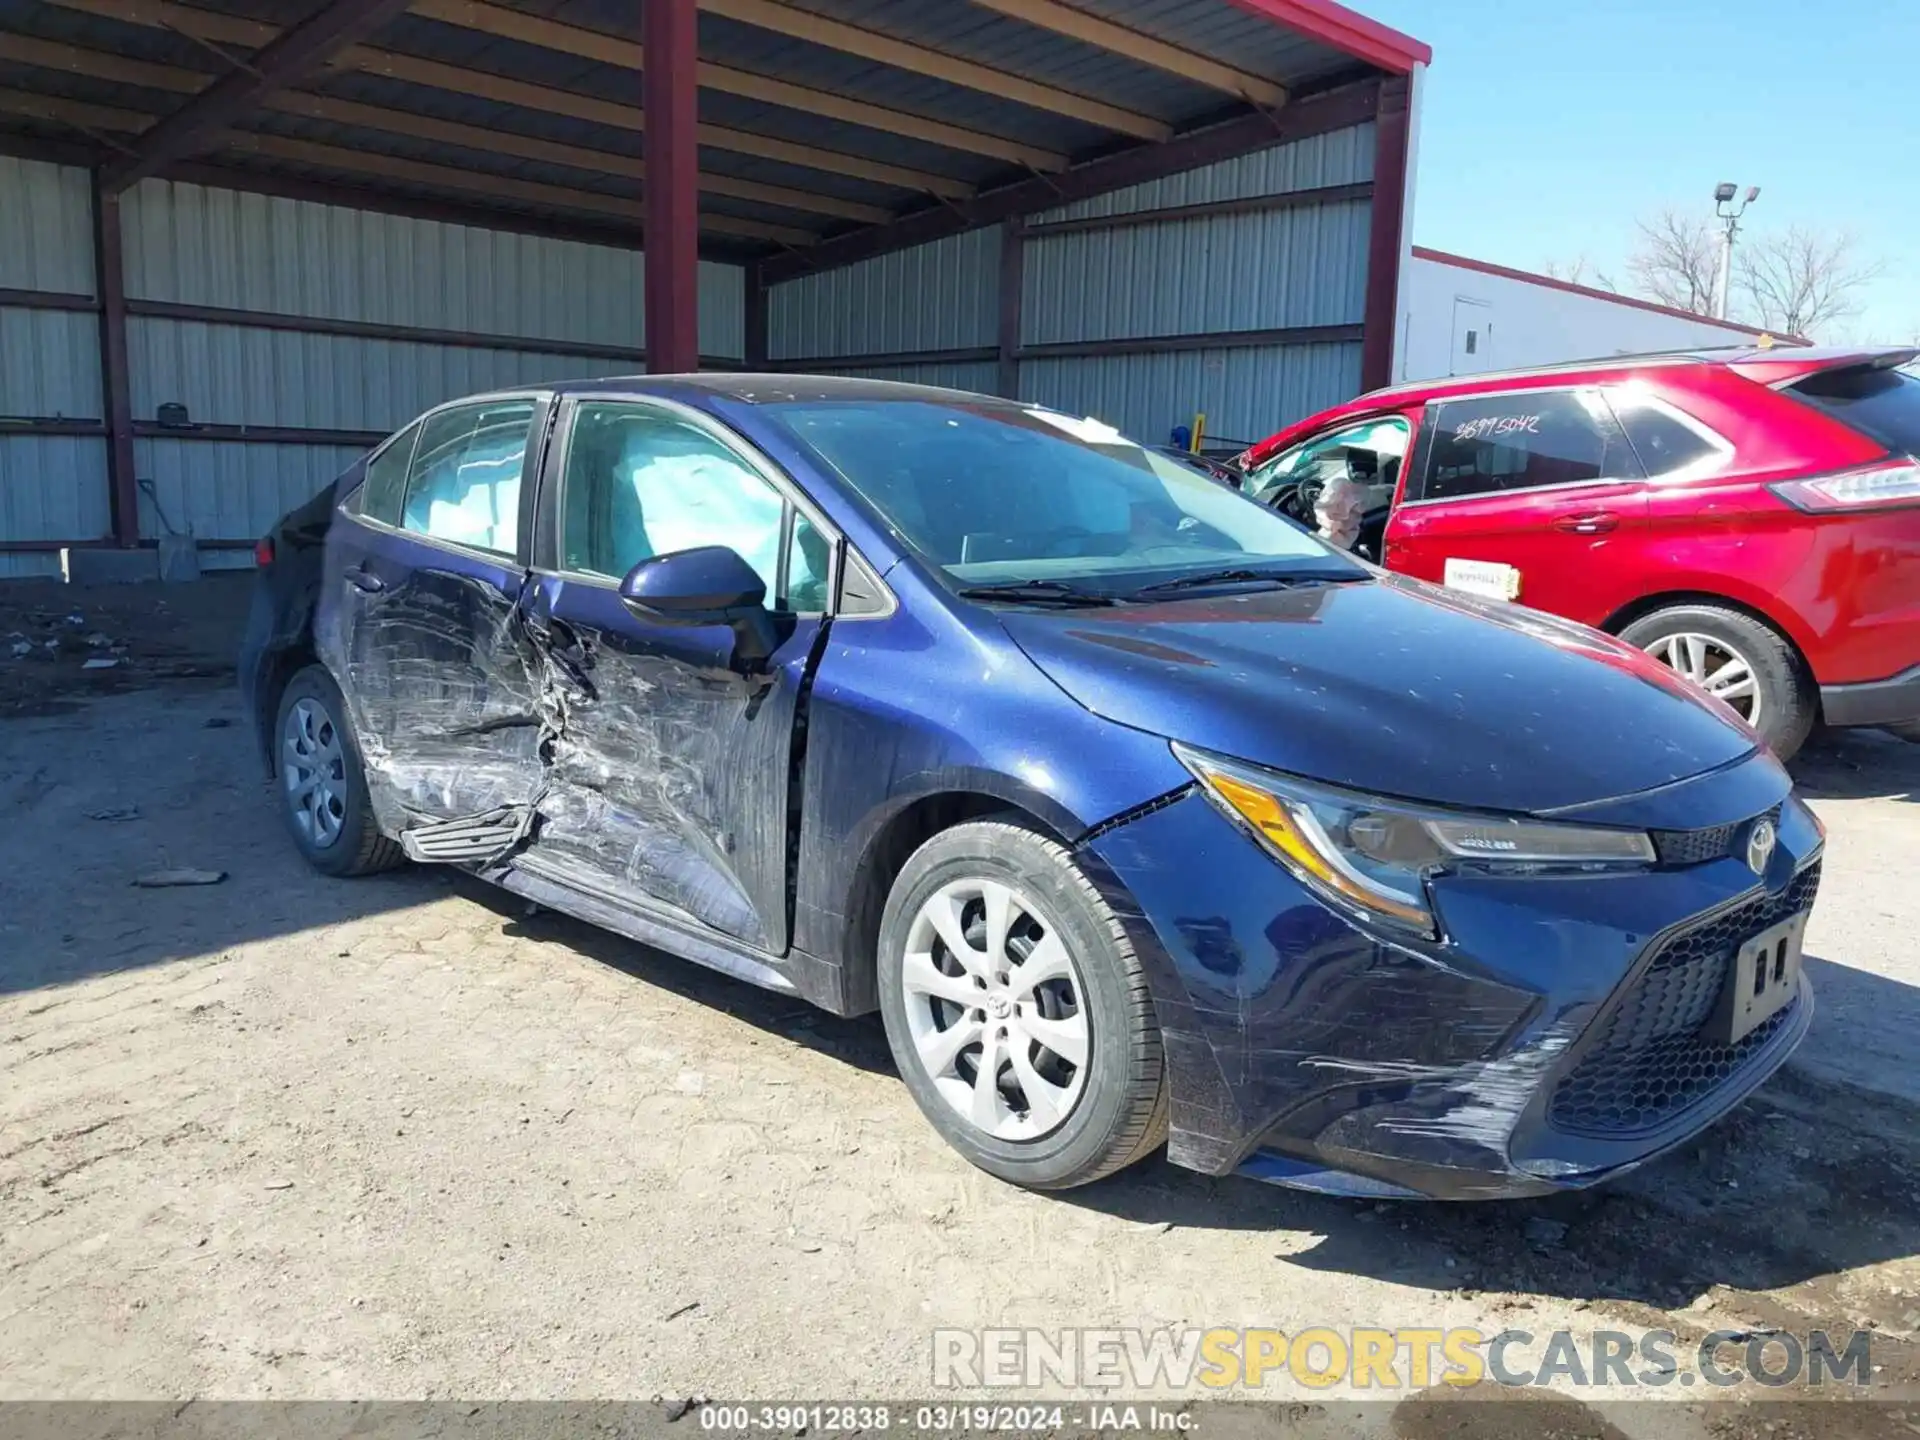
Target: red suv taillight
(1877,487)
(263,551)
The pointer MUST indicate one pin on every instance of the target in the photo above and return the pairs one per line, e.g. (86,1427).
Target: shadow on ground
(1858,765)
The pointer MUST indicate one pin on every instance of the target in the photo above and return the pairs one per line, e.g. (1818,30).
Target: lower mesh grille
(1648,1061)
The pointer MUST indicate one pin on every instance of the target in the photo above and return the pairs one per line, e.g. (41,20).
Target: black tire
(1120,1113)
(1789,703)
(359,848)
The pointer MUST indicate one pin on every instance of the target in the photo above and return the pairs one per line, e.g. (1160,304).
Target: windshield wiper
(1208,578)
(1038,592)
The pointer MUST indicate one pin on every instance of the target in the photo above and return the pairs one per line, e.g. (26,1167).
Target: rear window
(1883,405)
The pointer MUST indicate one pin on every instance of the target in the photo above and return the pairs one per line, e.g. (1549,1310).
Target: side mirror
(711,585)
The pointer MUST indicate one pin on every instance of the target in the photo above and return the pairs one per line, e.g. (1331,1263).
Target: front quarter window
(991,493)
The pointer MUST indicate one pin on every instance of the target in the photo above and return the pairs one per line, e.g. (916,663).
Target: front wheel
(1016,1010)
(1737,659)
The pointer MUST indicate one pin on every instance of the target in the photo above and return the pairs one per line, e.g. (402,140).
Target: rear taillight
(263,551)
(1877,487)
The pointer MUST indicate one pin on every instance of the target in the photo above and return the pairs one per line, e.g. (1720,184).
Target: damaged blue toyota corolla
(1139,814)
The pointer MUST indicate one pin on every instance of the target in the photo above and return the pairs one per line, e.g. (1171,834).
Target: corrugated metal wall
(189,245)
(941,296)
(1283,268)
(227,489)
(52,487)
(1278,269)
(233,375)
(199,246)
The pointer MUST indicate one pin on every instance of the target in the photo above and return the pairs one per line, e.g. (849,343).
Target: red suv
(1751,517)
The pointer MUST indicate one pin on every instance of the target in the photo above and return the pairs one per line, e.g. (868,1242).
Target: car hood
(1393,686)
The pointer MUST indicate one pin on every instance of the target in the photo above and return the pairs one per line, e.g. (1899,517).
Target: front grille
(1692,847)
(1648,1061)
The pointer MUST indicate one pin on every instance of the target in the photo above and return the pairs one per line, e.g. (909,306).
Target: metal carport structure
(255,207)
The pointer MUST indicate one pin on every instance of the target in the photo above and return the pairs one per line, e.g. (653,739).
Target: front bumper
(1877,702)
(1553,1039)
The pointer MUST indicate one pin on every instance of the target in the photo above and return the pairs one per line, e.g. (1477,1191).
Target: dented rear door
(426,566)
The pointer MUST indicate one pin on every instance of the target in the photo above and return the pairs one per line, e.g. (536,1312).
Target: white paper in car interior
(1086,428)
(1482,577)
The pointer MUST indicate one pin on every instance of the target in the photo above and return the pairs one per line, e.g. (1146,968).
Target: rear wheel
(1016,1010)
(1736,659)
(322,788)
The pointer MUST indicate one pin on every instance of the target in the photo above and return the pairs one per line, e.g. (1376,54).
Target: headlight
(1374,855)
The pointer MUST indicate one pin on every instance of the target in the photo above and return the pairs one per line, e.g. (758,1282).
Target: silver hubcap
(314,770)
(996,1009)
(1716,668)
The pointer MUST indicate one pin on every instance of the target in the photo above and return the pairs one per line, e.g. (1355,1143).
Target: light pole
(1729,214)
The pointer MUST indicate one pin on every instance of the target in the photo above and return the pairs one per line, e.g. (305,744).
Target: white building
(1460,317)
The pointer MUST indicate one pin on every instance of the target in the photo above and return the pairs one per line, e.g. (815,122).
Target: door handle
(362,579)
(1593,522)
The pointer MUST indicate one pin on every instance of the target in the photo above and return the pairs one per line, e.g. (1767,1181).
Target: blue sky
(1549,125)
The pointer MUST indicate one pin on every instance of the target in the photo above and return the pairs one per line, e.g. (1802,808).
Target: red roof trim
(1344,29)
(1461,262)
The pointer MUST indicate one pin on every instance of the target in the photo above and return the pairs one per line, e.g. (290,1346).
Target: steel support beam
(123,494)
(284,60)
(1013,265)
(1386,239)
(669,83)
(756,318)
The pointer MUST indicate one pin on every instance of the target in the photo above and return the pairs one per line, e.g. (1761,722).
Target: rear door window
(1661,440)
(380,495)
(464,484)
(1883,405)
(1489,445)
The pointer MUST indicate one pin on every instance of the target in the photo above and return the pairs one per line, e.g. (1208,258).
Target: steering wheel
(1296,501)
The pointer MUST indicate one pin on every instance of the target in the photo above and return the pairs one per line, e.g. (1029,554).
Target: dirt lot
(288,1137)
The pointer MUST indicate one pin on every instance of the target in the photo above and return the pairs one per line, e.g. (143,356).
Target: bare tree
(1581,271)
(1676,261)
(1799,281)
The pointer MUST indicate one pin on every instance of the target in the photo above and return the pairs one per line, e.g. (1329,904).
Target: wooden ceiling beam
(798,24)
(508,24)
(284,60)
(1077,24)
(93,119)
(210,27)
(74,60)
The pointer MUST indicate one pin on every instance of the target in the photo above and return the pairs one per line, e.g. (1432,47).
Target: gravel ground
(289,1137)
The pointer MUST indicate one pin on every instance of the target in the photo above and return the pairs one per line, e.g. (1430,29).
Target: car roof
(770,388)
(1771,364)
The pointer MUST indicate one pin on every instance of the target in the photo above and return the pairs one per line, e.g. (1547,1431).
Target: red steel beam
(1386,239)
(1348,30)
(669,84)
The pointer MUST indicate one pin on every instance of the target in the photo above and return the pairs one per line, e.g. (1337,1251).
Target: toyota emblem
(1760,843)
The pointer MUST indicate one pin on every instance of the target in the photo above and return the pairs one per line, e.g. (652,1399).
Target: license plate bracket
(1764,976)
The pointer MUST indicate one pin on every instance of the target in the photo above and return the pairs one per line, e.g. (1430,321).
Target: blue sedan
(1141,816)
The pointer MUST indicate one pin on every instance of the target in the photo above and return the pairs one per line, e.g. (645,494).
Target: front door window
(641,482)
(1341,482)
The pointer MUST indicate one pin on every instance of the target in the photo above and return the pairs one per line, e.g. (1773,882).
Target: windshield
(993,493)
